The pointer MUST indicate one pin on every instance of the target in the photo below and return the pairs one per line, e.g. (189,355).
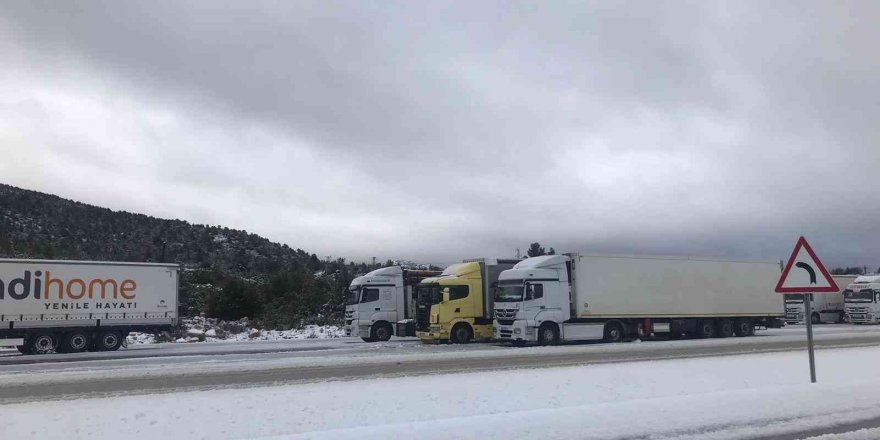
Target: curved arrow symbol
(809,270)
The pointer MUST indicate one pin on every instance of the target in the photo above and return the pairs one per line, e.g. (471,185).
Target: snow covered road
(218,365)
(726,397)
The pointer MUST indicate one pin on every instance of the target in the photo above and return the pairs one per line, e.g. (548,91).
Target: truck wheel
(548,334)
(613,332)
(743,327)
(43,343)
(815,318)
(705,329)
(381,332)
(108,341)
(725,328)
(75,342)
(461,334)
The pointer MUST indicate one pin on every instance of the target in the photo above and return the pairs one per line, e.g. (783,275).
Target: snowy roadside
(173,367)
(199,329)
(705,398)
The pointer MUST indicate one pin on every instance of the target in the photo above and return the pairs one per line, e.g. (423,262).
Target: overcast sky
(437,130)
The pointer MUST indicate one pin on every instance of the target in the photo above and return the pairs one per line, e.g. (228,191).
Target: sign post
(811,278)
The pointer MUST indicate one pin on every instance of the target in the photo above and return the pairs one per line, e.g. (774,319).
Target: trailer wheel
(43,343)
(381,331)
(744,327)
(613,332)
(108,341)
(815,318)
(75,342)
(705,329)
(725,328)
(548,334)
(461,333)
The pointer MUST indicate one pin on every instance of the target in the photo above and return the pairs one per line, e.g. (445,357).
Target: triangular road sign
(804,273)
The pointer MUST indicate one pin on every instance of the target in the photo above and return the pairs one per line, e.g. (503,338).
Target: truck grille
(505,313)
(422,314)
(505,321)
(857,310)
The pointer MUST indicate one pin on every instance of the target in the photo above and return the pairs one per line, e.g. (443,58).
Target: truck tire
(743,327)
(815,318)
(548,334)
(705,329)
(75,342)
(381,331)
(43,343)
(461,334)
(108,340)
(613,332)
(724,328)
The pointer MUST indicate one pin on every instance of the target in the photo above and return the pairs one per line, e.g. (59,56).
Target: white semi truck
(72,306)
(862,300)
(382,303)
(825,307)
(577,297)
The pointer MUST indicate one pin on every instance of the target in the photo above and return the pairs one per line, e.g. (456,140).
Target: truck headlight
(517,331)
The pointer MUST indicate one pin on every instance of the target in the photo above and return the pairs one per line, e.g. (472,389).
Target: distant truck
(73,306)
(825,307)
(463,295)
(575,297)
(378,301)
(862,300)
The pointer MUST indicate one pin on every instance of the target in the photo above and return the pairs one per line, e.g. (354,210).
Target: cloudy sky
(436,131)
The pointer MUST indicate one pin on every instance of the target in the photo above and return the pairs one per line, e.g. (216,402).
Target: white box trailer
(72,306)
(587,297)
(825,307)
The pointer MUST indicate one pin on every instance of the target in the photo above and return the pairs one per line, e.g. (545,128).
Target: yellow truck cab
(464,309)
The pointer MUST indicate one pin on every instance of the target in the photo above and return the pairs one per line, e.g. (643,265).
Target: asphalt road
(347,360)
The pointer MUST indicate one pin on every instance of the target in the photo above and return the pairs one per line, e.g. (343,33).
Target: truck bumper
(434,334)
(862,318)
(518,331)
(358,329)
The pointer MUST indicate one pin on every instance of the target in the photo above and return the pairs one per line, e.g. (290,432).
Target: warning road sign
(804,273)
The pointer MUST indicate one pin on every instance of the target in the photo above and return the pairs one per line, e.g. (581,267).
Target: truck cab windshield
(351,296)
(428,294)
(509,291)
(860,296)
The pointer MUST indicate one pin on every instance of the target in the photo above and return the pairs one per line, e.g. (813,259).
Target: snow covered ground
(703,398)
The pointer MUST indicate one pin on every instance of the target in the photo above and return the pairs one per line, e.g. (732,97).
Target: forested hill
(230,274)
(38,225)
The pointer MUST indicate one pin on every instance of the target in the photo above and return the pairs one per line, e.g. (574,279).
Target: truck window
(369,295)
(457,292)
(535,291)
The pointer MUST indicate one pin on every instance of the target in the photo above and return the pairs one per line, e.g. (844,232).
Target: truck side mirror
(444,295)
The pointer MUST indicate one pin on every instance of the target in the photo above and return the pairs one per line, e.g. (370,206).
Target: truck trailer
(72,306)
(383,302)
(576,297)
(862,300)
(825,307)
(463,292)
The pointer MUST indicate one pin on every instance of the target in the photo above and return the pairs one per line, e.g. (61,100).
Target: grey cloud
(445,129)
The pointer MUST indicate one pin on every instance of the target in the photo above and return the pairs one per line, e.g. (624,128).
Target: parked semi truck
(577,297)
(380,300)
(862,300)
(463,312)
(825,307)
(72,306)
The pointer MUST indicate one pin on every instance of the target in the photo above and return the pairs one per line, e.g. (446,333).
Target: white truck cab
(377,301)
(826,307)
(535,290)
(862,300)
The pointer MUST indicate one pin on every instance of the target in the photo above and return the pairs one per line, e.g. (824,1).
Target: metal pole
(808,315)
